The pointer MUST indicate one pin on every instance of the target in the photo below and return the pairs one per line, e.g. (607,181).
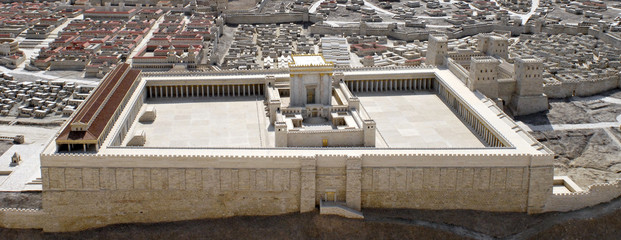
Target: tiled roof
(101,105)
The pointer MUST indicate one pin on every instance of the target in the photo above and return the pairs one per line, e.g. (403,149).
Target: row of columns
(390,85)
(205,90)
(467,116)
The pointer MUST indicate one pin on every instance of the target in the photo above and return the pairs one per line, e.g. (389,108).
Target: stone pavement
(23,177)
(206,122)
(419,120)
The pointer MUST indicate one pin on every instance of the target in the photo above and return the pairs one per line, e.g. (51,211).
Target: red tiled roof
(102,104)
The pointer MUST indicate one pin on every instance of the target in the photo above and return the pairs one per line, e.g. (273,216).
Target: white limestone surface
(206,122)
(416,120)
(23,176)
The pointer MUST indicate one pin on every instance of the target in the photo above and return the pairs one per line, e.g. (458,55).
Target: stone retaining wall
(595,194)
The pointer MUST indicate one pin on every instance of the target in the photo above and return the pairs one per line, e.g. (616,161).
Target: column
(308,185)
(354,182)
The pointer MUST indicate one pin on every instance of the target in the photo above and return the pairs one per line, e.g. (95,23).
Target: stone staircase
(339,209)
(36,181)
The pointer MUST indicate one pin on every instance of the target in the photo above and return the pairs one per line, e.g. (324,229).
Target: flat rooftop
(206,122)
(416,120)
(305,60)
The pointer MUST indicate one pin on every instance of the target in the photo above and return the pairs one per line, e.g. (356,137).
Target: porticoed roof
(101,105)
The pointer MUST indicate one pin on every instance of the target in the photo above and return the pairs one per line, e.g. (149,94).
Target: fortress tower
(484,76)
(493,45)
(437,48)
(528,97)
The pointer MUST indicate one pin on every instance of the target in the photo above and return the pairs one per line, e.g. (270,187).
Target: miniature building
(273,142)
(437,47)
(16,159)
(19,139)
(311,120)
(483,76)
(529,97)
(516,88)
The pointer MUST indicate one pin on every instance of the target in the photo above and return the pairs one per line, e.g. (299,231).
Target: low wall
(22,218)
(458,70)
(595,194)
(582,88)
(336,138)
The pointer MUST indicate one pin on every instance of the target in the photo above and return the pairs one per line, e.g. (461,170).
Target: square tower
(493,45)
(528,76)
(437,47)
(529,97)
(484,76)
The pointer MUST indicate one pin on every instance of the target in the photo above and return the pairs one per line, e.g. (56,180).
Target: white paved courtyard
(206,122)
(416,120)
(25,176)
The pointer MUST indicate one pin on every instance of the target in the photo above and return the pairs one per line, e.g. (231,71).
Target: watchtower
(437,47)
(484,76)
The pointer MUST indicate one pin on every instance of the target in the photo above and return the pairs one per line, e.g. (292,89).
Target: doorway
(310,95)
(330,195)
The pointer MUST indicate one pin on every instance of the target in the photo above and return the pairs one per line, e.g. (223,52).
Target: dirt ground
(586,156)
(574,111)
(5,145)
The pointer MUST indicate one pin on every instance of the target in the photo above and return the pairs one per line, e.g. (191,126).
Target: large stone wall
(89,197)
(492,189)
(82,191)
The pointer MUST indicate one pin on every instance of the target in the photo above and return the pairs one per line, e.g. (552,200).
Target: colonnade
(466,115)
(391,85)
(233,90)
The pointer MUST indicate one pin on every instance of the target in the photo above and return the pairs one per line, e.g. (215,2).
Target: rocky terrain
(585,152)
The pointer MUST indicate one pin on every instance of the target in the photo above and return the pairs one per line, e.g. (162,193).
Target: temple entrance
(310,95)
(330,195)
